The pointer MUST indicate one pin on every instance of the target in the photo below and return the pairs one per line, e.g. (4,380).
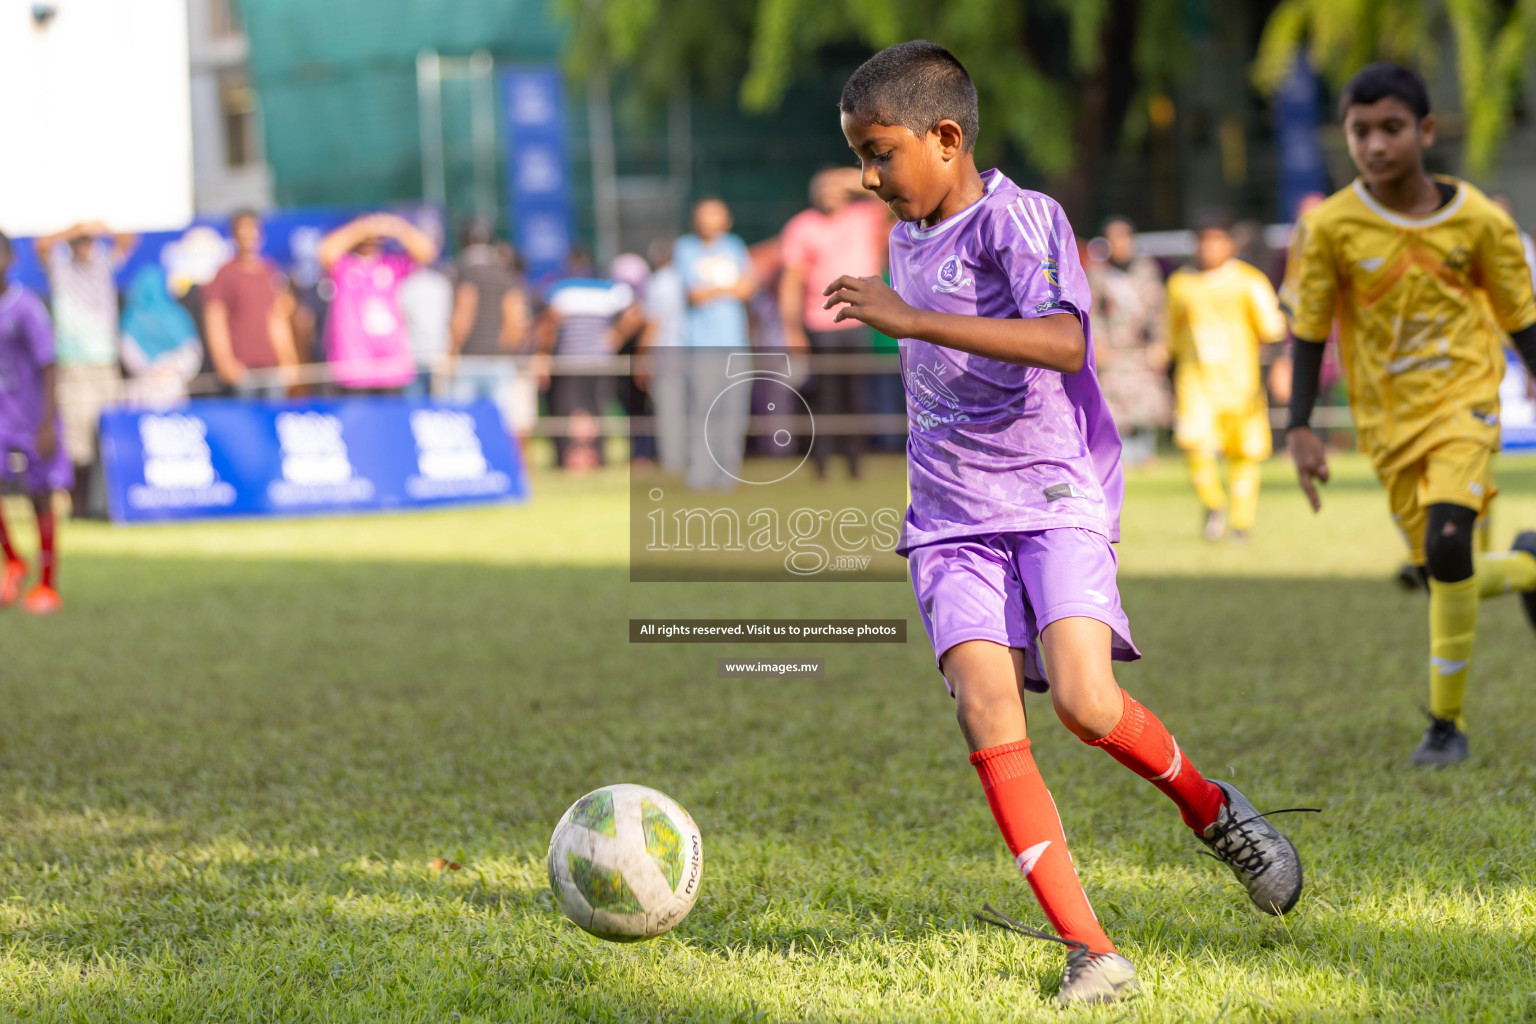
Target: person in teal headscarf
(161,348)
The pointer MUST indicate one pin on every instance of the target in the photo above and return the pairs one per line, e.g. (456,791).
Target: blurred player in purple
(30,428)
(1016,484)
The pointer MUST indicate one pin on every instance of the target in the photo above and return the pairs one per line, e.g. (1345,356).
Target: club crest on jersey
(1457,260)
(951,275)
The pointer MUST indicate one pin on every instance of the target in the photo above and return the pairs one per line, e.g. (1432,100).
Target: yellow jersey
(1217,319)
(1423,305)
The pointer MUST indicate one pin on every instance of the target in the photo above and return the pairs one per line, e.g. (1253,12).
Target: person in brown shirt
(248,313)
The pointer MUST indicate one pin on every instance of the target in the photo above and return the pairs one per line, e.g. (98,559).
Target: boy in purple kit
(30,428)
(1014,467)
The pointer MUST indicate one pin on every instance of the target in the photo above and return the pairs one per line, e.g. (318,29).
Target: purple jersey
(26,346)
(995,447)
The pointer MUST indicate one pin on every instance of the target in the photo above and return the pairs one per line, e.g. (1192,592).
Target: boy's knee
(1448,543)
(1089,714)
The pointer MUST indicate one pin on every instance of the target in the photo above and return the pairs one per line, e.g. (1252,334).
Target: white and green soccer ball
(625,862)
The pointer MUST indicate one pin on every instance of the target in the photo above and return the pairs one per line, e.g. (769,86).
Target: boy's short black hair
(1385,79)
(916,85)
(244,213)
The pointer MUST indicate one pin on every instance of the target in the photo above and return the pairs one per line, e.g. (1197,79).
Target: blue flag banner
(538,171)
(217,458)
(1298,115)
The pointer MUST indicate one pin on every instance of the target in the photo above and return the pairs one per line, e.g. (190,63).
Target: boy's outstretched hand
(1311,459)
(871,301)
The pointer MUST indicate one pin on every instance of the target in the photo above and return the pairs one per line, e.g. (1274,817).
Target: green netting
(337,83)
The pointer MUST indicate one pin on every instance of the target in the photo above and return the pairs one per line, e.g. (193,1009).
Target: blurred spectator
(368,347)
(666,313)
(81,262)
(842,233)
(583,321)
(191,262)
(1129,345)
(312,294)
(631,269)
(718,278)
(426,305)
(766,329)
(490,320)
(161,349)
(247,312)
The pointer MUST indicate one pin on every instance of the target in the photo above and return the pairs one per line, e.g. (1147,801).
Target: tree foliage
(1489,40)
(1028,57)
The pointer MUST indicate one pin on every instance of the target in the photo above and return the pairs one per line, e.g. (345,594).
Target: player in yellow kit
(1425,277)
(1220,312)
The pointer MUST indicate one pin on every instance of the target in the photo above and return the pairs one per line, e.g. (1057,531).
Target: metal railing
(270,384)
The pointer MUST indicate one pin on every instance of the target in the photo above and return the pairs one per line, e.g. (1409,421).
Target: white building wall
(96,124)
(219,188)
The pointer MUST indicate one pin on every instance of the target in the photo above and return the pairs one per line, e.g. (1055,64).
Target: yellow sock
(1244,485)
(1452,627)
(1207,480)
(1504,571)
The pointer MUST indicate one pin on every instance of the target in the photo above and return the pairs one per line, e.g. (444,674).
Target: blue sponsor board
(210,459)
(538,171)
(1517,408)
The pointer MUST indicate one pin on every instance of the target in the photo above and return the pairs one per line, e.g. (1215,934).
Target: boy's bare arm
(1052,342)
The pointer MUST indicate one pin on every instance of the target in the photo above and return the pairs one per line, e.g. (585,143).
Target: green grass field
(225,769)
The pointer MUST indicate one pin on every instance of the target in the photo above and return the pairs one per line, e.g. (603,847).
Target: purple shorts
(19,461)
(1007,587)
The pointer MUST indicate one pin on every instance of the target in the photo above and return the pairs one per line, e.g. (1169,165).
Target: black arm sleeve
(1306,373)
(1525,341)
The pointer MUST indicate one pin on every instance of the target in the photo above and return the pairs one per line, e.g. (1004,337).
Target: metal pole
(605,187)
(482,99)
(429,117)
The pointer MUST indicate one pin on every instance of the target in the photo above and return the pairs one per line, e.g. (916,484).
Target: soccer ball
(625,863)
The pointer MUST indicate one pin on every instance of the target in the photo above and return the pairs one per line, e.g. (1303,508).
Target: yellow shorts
(1458,472)
(1235,433)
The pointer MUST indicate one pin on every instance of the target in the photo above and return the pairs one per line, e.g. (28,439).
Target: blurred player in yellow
(1425,277)
(1220,312)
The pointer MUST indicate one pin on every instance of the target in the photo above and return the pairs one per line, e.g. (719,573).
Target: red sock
(5,541)
(45,557)
(1141,743)
(1026,815)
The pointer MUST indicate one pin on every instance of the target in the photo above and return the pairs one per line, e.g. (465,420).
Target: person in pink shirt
(841,233)
(368,346)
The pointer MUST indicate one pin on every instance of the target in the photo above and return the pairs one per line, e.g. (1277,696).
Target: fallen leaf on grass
(444,864)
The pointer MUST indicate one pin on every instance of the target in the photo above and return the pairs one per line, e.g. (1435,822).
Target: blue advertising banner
(1517,409)
(216,458)
(538,178)
(1298,114)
